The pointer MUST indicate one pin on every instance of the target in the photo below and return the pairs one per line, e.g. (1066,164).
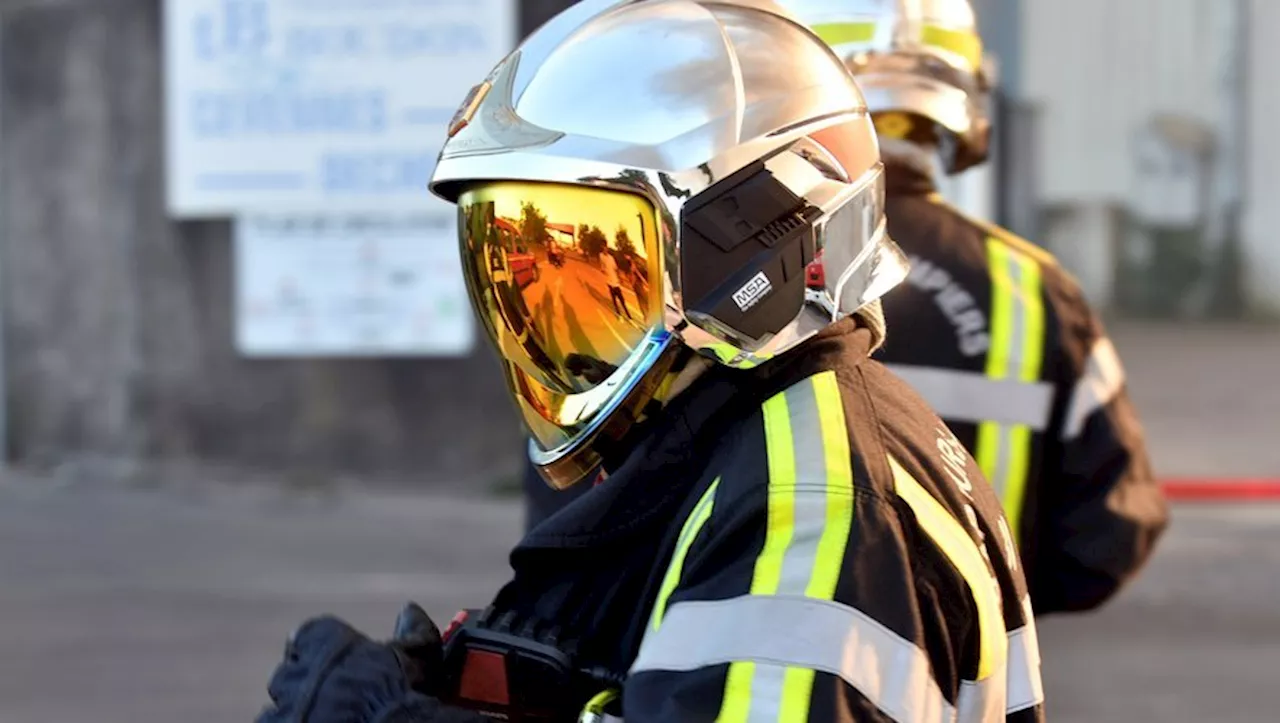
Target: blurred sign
(350,286)
(281,105)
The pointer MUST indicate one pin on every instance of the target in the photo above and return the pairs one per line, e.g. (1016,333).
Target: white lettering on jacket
(969,321)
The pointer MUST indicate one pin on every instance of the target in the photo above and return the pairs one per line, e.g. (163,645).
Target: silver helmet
(643,176)
(921,57)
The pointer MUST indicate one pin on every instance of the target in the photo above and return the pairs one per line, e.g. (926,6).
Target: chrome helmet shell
(674,101)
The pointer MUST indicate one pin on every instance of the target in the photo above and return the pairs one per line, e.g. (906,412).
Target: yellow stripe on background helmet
(923,57)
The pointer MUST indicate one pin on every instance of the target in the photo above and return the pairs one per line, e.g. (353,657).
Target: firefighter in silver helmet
(989,328)
(786,532)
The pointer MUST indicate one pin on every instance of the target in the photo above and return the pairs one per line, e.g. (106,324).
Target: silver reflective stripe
(809,521)
(776,631)
(1025,686)
(973,397)
(980,702)
(1102,380)
(997,467)
(809,511)
(1003,449)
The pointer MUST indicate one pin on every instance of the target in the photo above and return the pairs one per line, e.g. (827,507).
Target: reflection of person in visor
(610,266)
(785,531)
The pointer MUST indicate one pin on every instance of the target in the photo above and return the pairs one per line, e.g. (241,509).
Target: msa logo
(752,291)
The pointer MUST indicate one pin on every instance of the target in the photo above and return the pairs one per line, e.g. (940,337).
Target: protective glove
(333,673)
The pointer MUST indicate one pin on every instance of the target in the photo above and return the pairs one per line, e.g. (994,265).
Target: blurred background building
(1133,141)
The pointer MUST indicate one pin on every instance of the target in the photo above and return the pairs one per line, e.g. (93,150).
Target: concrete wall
(118,321)
(1101,68)
(1099,72)
(1261,231)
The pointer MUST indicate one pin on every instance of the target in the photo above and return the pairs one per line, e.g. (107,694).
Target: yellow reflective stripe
(1003,291)
(797,689)
(692,525)
(736,705)
(964,43)
(1029,371)
(1021,245)
(1033,317)
(781,499)
(954,542)
(780,511)
(1003,451)
(809,517)
(834,34)
(839,488)
(1019,461)
(593,711)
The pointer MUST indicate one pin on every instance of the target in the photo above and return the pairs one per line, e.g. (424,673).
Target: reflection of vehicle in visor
(562,277)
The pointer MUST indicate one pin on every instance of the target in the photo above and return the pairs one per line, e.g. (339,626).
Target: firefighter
(785,531)
(993,333)
(1000,339)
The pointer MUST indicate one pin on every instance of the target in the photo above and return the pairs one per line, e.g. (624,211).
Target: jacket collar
(650,485)
(910,169)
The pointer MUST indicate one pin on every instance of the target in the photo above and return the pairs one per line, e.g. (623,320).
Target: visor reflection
(564,279)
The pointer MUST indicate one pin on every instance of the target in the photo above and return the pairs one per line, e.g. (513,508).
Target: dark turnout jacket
(802,542)
(1001,342)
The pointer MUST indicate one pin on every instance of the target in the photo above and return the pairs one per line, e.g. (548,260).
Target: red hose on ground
(1221,490)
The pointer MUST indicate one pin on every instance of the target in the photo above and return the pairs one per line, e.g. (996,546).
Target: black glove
(333,673)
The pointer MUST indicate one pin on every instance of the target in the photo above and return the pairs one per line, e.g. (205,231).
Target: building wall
(1099,69)
(118,321)
(1096,72)
(1261,227)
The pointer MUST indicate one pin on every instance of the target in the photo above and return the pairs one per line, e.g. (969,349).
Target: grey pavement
(1209,396)
(124,606)
(144,606)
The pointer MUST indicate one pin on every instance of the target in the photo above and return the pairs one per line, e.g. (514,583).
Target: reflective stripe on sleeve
(1102,380)
(958,546)
(1003,451)
(975,398)
(891,672)
(809,514)
(780,632)
(1026,689)
(692,526)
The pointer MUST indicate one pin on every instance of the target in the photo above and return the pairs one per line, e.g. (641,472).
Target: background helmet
(921,57)
(638,177)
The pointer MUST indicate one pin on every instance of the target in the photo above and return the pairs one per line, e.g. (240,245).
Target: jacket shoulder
(1060,284)
(857,426)
(1061,290)
(908,432)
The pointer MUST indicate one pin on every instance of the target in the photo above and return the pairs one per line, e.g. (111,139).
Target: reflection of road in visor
(564,278)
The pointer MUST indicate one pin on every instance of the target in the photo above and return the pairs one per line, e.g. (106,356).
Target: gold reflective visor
(566,281)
